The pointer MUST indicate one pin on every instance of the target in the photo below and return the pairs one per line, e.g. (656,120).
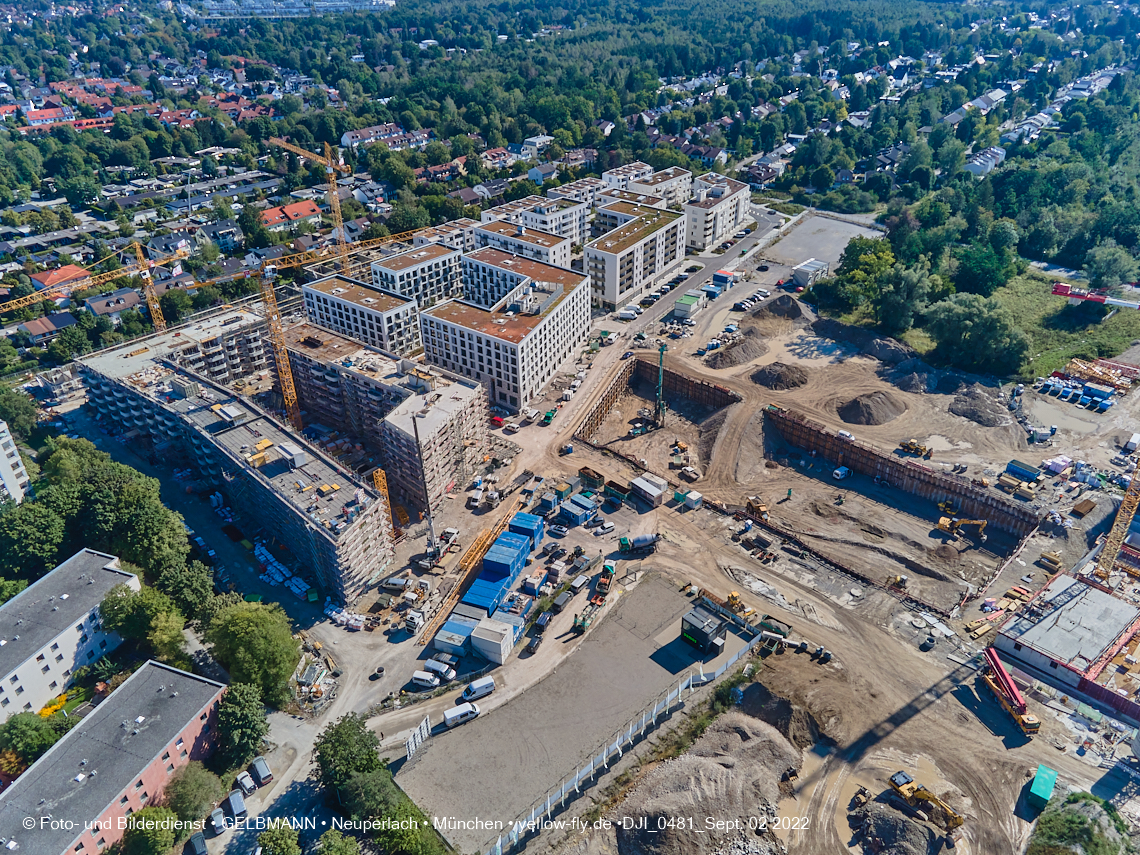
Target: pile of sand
(780,376)
(877,408)
(783,306)
(794,722)
(746,348)
(732,771)
(978,404)
(898,834)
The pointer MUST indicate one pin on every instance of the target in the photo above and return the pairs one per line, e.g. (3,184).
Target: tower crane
(332,166)
(142,269)
(1115,539)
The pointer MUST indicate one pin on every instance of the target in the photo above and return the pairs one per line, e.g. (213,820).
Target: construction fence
(909,476)
(530,824)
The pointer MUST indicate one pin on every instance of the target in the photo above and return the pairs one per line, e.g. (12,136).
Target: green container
(1042,788)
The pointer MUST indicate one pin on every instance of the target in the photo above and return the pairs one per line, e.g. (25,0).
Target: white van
(425,680)
(460,714)
(441,669)
(627,315)
(479,689)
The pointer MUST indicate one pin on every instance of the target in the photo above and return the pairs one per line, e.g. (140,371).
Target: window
(4,702)
(169,768)
(19,690)
(1052,664)
(138,785)
(90,654)
(15,679)
(102,645)
(45,669)
(183,756)
(53,685)
(123,800)
(1017,645)
(40,658)
(166,756)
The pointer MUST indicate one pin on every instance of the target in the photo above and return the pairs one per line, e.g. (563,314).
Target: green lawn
(1057,331)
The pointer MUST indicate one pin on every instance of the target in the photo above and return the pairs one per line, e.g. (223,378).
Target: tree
(30,536)
(28,735)
(150,831)
(134,614)
(981,270)
(189,585)
(256,235)
(902,294)
(192,791)
(280,840)
(403,834)
(254,641)
(241,723)
(822,178)
(1108,265)
(369,794)
(175,304)
(344,748)
(334,843)
(18,411)
(166,638)
(974,332)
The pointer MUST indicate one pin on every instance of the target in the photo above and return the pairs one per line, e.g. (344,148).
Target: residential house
(114,304)
(225,234)
(42,330)
(543,172)
(290,216)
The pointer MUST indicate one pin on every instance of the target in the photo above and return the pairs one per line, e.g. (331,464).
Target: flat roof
(665,176)
(511,209)
(360,293)
(55,603)
(137,354)
(449,228)
(630,196)
(87,770)
(522,234)
(649,221)
(498,323)
(731,187)
(1071,622)
(539,271)
(433,410)
(323,345)
(628,168)
(412,257)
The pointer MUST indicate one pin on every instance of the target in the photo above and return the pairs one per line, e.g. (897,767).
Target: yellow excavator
(953,527)
(941,814)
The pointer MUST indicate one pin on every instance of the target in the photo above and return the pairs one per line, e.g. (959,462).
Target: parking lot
(816,237)
(508,758)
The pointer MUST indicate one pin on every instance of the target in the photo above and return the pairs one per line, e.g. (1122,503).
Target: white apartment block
(13,477)
(457,234)
(435,440)
(620,176)
(53,627)
(426,274)
(583,190)
(490,274)
(565,217)
(674,185)
(356,310)
(517,239)
(514,347)
(623,261)
(719,208)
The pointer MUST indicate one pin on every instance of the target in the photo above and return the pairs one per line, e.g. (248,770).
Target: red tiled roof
(60,276)
(289,213)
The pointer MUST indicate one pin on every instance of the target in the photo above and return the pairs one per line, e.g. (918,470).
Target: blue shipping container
(1023,470)
(515,540)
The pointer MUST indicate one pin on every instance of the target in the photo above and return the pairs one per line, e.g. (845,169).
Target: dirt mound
(733,770)
(888,350)
(839,331)
(947,553)
(796,723)
(912,383)
(783,306)
(899,835)
(877,408)
(949,384)
(978,404)
(780,376)
(709,429)
(746,348)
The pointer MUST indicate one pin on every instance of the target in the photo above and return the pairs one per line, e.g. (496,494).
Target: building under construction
(284,489)
(375,399)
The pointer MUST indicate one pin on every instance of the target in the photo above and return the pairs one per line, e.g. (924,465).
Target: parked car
(535,643)
(559,530)
(198,844)
(260,771)
(217,821)
(627,354)
(246,783)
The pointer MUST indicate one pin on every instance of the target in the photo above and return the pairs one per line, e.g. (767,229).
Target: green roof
(687,300)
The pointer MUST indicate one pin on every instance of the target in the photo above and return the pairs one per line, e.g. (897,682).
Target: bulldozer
(861,797)
(912,446)
(897,581)
(737,605)
(941,814)
(953,527)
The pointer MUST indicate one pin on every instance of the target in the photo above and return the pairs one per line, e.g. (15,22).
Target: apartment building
(674,185)
(14,478)
(565,217)
(519,240)
(426,274)
(328,519)
(719,208)
(75,800)
(620,176)
(643,244)
(436,439)
(355,309)
(457,234)
(514,346)
(53,627)
(583,190)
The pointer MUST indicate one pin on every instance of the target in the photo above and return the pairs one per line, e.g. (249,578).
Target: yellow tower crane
(332,166)
(1115,539)
(142,270)
(380,481)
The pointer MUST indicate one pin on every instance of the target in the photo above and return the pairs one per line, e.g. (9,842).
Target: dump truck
(583,620)
(638,545)
(1002,685)
(606,579)
(768,623)
(941,814)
